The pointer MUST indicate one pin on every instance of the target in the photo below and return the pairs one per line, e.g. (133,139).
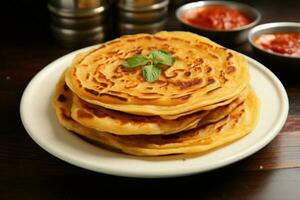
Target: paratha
(204,73)
(102,119)
(231,127)
(200,102)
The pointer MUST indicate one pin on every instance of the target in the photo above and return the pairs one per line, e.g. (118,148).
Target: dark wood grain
(29,172)
(220,184)
(283,152)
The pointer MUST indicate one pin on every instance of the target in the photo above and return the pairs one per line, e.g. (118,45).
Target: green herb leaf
(162,57)
(151,73)
(135,61)
(152,65)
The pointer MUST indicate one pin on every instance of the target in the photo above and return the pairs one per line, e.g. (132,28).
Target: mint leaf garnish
(151,73)
(162,57)
(135,61)
(152,64)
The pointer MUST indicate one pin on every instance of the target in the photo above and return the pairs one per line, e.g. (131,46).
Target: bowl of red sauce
(278,40)
(226,22)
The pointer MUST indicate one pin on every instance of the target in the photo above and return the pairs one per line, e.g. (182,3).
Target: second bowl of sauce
(277,45)
(287,44)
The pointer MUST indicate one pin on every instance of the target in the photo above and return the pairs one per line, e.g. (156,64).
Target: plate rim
(164,173)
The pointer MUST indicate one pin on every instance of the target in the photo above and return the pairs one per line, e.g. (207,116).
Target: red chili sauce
(283,43)
(216,17)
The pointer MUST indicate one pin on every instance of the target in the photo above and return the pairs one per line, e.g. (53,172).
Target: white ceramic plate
(40,122)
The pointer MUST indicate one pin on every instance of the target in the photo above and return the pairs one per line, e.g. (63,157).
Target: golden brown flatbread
(106,120)
(201,102)
(238,123)
(203,74)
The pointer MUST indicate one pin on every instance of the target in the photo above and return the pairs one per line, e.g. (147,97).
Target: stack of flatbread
(201,102)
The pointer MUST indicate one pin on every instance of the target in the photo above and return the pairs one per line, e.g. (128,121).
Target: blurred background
(49,29)
(77,23)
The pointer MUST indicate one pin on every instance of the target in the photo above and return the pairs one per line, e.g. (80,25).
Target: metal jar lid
(77,8)
(77,4)
(142,5)
(142,17)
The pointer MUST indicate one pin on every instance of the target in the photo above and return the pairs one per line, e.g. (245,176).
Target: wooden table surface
(29,172)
